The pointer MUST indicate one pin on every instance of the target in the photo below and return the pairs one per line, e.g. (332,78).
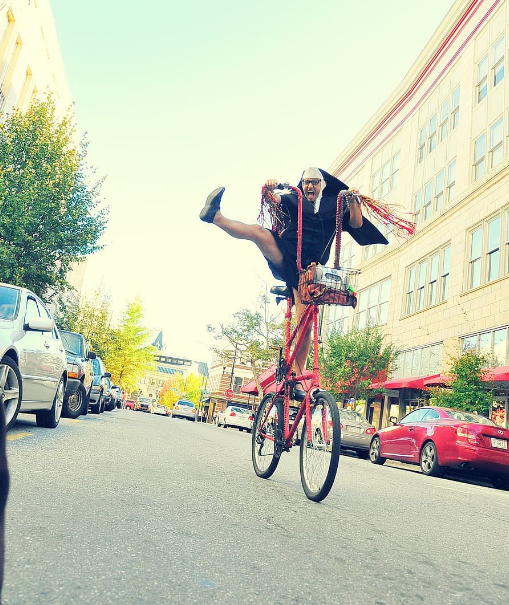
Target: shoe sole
(212,205)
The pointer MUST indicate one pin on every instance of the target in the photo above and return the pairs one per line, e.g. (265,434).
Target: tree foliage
(124,349)
(49,215)
(351,362)
(129,356)
(467,390)
(182,387)
(253,335)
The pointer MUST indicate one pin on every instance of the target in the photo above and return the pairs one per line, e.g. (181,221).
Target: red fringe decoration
(385,214)
(271,213)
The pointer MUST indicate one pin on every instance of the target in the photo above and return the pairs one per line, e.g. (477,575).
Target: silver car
(236,417)
(356,432)
(33,365)
(184,409)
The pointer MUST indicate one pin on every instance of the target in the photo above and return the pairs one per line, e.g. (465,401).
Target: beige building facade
(439,150)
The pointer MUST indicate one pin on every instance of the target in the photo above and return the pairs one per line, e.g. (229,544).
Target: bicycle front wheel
(319,457)
(267,436)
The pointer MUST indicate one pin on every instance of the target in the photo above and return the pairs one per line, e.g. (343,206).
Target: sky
(178,98)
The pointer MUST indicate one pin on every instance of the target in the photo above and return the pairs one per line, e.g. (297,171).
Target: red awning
(411,382)
(500,374)
(437,380)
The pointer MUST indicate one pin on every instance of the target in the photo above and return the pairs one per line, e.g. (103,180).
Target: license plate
(500,443)
(354,429)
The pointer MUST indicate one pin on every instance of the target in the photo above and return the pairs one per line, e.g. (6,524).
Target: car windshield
(72,342)
(188,403)
(238,410)
(352,415)
(469,417)
(97,366)
(9,299)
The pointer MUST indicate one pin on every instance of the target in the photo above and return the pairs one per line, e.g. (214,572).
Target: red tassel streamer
(385,214)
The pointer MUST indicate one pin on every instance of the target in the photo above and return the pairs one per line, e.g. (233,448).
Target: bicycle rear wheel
(267,436)
(319,457)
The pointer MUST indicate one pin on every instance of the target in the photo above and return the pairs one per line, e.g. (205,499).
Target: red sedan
(437,438)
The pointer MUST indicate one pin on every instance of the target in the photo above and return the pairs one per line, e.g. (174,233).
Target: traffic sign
(228,393)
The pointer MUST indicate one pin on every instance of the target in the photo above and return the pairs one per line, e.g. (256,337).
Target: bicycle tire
(264,451)
(319,459)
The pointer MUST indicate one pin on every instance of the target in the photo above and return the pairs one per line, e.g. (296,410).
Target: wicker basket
(325,286)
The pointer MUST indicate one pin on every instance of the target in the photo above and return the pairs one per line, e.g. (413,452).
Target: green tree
(92,318)
(351,362)
(49,215)
(253,335)
(182,387)
(128,356)
(467,389)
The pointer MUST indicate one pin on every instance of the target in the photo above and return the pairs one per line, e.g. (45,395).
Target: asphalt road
(130,508)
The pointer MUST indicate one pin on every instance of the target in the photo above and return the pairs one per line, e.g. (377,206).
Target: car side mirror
(91,355)
(40,324)
(393,420)
(107,375)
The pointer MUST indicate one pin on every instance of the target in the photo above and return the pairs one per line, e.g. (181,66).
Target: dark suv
(100,390)
(80,374)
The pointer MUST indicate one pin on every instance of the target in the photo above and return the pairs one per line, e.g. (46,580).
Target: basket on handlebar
(326,286)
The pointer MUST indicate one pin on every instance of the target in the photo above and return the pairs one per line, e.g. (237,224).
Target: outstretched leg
(257,234)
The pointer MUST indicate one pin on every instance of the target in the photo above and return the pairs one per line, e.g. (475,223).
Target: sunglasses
(311,182)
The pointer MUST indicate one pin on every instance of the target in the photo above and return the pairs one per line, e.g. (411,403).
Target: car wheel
(10,390)
(363,454)
(95,408)
(73,405)
(429,460)
(103,405)
(84,410)
(500,481)
(49,419)
(374,452)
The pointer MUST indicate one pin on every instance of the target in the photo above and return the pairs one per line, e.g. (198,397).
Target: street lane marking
(18,436)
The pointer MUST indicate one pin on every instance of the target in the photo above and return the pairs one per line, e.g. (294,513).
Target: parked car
(236,417)
(33,365)
(130,404)
(356,432)
(110,398)
(184,409)
(80,374)
(116,394)
(437,438)
(145,404)
(100,387)
(161,409)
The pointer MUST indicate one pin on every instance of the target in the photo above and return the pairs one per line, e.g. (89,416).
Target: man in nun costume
(320,190)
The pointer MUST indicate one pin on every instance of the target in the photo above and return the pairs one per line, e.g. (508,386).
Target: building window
(421,361)
(433,280)
(496,142)
(493,251)
(444,121)
(421,285)
(428,196)
(387,178)
(492,343)
(455,113)
(375,185)
(475,258)
(422,145)
(451,180)
(439,189)
(432,138)
(395,170)
(338,320)
(373,305)
(237,383)
(386,174)
(479,157)
(446,267)
(498,61)
(482,79)
(410,291)
(428,281)
(417,207)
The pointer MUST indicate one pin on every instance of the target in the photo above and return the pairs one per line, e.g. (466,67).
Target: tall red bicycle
(320,438)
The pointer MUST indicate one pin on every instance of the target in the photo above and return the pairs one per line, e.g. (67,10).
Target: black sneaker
(212,205)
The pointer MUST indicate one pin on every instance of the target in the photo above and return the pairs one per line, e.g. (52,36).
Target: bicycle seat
(280,291)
